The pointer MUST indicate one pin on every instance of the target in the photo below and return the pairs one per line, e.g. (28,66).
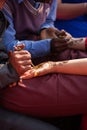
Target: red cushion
(84,123)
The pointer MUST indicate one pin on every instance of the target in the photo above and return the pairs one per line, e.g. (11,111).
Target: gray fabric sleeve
(7,75)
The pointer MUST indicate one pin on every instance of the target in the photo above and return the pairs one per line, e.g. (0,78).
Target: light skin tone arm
(70,10)
(76,66)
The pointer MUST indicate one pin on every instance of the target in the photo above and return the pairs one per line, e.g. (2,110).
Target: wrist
(42,30)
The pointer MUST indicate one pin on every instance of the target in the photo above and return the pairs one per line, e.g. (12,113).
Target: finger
(61,40)
(22,57)
(22,52)
(57,32)
(18,55)
(25,63)
(27,67)
(23,69)
(62,34)
(13,85)
(21,84)
(28,74)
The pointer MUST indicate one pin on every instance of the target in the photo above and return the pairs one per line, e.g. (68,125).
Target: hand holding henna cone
(39,70)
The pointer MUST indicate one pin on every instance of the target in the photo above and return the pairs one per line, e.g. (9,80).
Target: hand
(58,45)
(64,34)
(54,33)
(20,60)
(19,47)
(39,70)
(61,42)
(49,33)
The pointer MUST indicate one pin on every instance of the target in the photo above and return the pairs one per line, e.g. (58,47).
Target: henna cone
(39,70)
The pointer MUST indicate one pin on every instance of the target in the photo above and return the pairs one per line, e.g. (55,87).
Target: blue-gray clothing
(25,20)
(8,74)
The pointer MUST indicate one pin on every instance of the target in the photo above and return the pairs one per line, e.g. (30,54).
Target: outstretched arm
(71,10)
(76,66)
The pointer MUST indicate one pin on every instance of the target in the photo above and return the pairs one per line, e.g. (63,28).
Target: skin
(54,33)
(66,67)
(20,60)
(60,38)
(71,10)
(77,44)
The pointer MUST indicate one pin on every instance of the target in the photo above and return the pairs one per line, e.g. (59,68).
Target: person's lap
(49,95)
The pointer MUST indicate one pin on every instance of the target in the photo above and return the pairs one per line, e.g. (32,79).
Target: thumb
(19,47)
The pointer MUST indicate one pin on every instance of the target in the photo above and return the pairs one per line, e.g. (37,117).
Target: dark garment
(25,14)
(66,123)
(7,73)
(15,121)
(3,53)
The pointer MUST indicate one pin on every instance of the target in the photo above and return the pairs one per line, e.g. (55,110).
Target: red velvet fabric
(50,95)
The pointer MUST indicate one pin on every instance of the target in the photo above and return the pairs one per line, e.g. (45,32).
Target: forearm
(77,66)
(68,11)
(7,75)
